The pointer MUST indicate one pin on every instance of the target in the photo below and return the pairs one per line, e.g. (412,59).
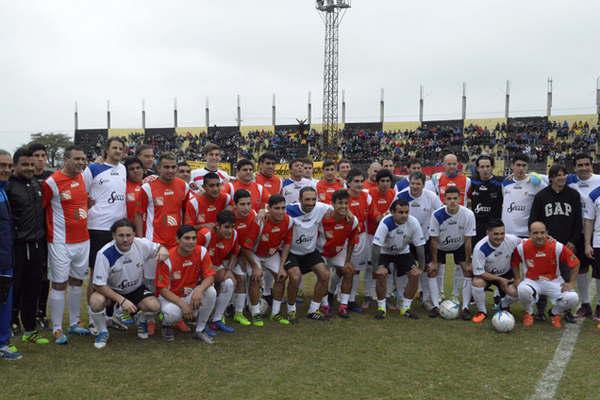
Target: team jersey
(494,260)
(258,195)
(368,185)
(591,211)
(290,189)
(219,248)
(65,200)
(451,229)
(486,199)
(132,196)
(247,230)
(584,187)
(336,233)
(164,204)
(404,183)
(395,238)
(442,181)
(202,209)
(543,262)
(106,185)
(306,226)
(198,176)
(380,206)
(325,190)
(360,206)
(421,207)
(181,274)
(516,204)
(271,184)
(123,272)
(273,235)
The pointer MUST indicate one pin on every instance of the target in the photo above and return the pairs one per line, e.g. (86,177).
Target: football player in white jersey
(291,186)
(422,203)
(592,239)
(119,279)
(308,172)
(212,153)
(451,230)
(491,266)
(304,256)
(518,191)
(584,181)
(391,245)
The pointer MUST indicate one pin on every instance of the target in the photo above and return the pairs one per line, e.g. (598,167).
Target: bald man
(371,182)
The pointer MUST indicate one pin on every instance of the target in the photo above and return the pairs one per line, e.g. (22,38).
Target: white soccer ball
(449,309)
(264,306)
(503,321)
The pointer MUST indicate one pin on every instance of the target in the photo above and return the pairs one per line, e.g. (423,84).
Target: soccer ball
(449,309)
(503,321)
(264,306)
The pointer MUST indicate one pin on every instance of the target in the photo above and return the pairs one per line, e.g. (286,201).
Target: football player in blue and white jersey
(119,279)
(291,186)
(304,257)
(491,266)
(451,230)
(584,181)
(391,245)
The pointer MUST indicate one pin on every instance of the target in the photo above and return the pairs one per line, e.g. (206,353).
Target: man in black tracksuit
(25,197)
(559,207)
(486,196)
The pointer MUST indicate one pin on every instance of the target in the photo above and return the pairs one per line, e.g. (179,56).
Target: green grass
(358,358)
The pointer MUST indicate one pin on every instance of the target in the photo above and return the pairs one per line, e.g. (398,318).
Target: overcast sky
(54,53)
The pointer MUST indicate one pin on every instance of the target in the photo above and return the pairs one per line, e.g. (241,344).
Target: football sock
(223,299)
(275,307)
(74,304)
(56,302)
(479,296)
(99,319)
(344,297)
(466,292)
(239,301)
(583,285)
(434,291)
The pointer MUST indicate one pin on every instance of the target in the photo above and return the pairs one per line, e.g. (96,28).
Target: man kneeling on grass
(185,284)
(119,278)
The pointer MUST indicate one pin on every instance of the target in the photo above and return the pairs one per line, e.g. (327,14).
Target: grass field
(359,358)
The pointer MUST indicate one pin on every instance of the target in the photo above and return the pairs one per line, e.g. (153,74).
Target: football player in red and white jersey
(272,249)
(163,201)
(202,209)
(540,257)
(360,204)
(184,172)
(330,182)
(266,174)
(338,232)
(371,182)
(247,229)
(223,248)
(185,286)
(212,153)
(66,202)
(245,180)
(451,177)
(135,176)
(343,166)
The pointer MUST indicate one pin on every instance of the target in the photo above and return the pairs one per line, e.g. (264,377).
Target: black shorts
(584,261)
(507,275)
(596,264)
(480,232)
(459,255)
(402,262)
(138,295)
(97,241)
(305,262)
(413,251)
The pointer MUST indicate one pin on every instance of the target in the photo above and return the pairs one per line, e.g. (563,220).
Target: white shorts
(68,260)
(552,288)
(338,260)
(150,269)
(361,253)
(271,263)
(242,268)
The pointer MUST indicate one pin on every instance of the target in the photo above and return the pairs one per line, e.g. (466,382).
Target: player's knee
(97,302)
(570,298)
(210,293)
(380,273)
(527,293)
(227,285)
(171,313)
(478,282)
(150,304)
(294,276)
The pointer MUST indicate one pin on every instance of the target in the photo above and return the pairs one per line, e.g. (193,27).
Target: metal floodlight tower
(331,12)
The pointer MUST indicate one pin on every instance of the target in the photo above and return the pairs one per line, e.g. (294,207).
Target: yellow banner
(284,169)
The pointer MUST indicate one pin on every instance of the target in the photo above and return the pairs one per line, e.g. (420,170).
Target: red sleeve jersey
(247,230)
(325,190)
(368,185)
(180,274)
(272,185)
(273,235)
(164,205)
(219,248)
(258,195)
(201,209)
(543,262)
(337,233)
(66,203)
(132,196)
(381,205)
(359,206)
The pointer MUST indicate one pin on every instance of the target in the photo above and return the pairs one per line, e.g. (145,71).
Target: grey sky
(57,52)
